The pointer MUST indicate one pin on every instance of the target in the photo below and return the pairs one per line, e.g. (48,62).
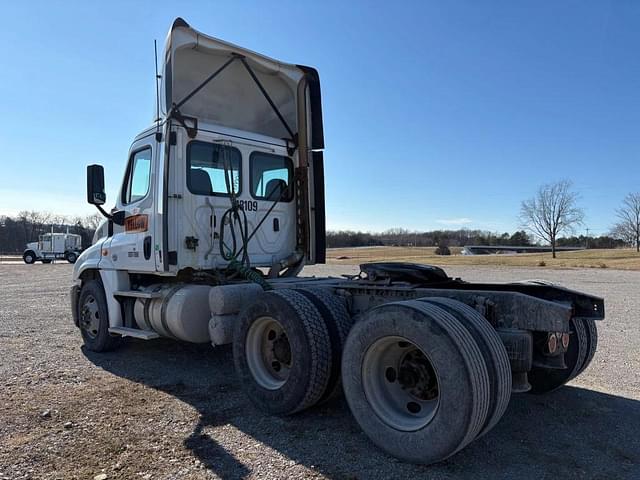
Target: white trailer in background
(53,246)
(222,204)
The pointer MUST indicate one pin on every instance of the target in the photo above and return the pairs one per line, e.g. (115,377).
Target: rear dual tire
(416,378)
(580,352)
(338,321)
(287,349)
(493,352)
(422,378)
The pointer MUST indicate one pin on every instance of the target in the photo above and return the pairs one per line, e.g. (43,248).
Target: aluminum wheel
(268,353)
(90,316)
(400,383)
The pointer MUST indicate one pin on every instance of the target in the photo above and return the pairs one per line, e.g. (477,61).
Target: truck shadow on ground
(571,433)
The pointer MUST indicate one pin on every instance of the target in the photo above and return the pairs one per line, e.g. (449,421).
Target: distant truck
(54,246)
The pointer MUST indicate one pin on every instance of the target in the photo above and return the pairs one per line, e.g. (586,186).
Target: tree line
(404,237)
(550,217)
(16,231)
(458,238)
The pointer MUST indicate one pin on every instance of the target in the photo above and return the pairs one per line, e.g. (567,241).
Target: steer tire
(545,380)
(282,331)
(381,392)
(29,257)
(493,351)
(71,257)
(93,318)
(333,310)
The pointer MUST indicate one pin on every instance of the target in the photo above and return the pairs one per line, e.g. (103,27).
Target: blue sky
(437,114)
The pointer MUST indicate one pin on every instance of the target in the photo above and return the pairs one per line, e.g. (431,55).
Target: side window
(213,169)
(138,177)
(271,177)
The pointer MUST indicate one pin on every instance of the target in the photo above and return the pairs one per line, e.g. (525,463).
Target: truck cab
(232,168)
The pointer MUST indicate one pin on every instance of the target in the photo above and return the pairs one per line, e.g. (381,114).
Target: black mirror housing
(118,217)
(95,185)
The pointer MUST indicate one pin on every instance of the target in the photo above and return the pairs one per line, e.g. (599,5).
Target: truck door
(132,244)
(198,197)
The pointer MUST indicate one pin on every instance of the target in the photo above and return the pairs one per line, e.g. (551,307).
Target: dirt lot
(164,410)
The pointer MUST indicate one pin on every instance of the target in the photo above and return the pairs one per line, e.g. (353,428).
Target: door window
(138,177)
(271,177)
(213,169)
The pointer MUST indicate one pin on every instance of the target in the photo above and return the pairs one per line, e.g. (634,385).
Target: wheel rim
(90,316)
(268,353)
(29,258)
(400,383)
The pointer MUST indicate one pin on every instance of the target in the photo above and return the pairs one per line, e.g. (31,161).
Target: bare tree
(552,211)
(58,219)
(92,221)
(628,226)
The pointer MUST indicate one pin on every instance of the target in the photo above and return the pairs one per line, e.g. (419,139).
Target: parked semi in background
(53,246)
(220,208)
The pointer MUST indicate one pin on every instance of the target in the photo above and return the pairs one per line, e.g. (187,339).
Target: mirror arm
(103,212)
(116,217)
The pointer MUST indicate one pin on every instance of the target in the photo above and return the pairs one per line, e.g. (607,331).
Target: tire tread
(318,339)
(494,353)
(474,360)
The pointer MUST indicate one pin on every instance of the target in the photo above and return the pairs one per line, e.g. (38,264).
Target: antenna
(158,77)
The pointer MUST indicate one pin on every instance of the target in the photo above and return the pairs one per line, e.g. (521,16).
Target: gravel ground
(163,409)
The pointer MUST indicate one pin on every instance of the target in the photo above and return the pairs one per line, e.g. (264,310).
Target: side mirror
(95,185)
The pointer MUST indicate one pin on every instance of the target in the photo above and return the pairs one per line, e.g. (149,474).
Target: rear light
(552,343)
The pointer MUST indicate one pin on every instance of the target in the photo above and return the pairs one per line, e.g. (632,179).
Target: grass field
(621,259)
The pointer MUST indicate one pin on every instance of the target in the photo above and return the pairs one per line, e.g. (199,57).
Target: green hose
(249,274)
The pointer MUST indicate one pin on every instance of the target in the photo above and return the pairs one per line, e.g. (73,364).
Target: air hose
(238,258)
(249,274)
(234,214)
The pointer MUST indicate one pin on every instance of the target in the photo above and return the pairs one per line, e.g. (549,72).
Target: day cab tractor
(53,246)
(222,205)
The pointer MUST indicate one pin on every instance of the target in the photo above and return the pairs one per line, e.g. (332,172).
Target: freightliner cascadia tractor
(221,206)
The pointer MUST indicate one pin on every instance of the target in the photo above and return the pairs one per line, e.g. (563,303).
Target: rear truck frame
(222,204)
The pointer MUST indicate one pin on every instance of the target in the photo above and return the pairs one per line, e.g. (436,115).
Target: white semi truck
(53,246)
(221,206)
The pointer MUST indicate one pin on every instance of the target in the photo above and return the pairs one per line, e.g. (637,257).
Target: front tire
(93,318)
(71,257)
(29,257)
